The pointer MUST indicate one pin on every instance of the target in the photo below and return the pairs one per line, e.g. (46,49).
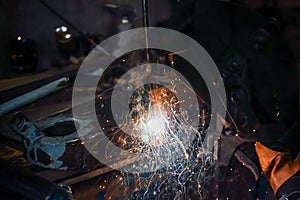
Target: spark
(160,128)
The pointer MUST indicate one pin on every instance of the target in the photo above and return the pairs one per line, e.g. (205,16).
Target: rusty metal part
(26,185)
(54,143)
(33,95)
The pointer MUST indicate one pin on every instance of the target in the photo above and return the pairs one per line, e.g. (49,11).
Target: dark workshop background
(32,20)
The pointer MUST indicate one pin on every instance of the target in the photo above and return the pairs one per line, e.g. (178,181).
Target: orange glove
(278,167)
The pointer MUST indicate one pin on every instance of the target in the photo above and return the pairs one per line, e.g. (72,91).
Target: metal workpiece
(33,95)
(229,147)
(54,143)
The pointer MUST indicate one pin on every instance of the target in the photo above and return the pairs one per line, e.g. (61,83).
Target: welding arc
(74,27)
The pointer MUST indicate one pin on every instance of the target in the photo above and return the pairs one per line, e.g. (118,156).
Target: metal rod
(33,95)
(146,25)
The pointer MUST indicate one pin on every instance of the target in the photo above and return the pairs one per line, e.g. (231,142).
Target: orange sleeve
(278,167)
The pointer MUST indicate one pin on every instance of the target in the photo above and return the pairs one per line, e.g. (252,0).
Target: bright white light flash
(153,127)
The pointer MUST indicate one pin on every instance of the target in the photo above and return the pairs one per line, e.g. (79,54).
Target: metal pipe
(33,95)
